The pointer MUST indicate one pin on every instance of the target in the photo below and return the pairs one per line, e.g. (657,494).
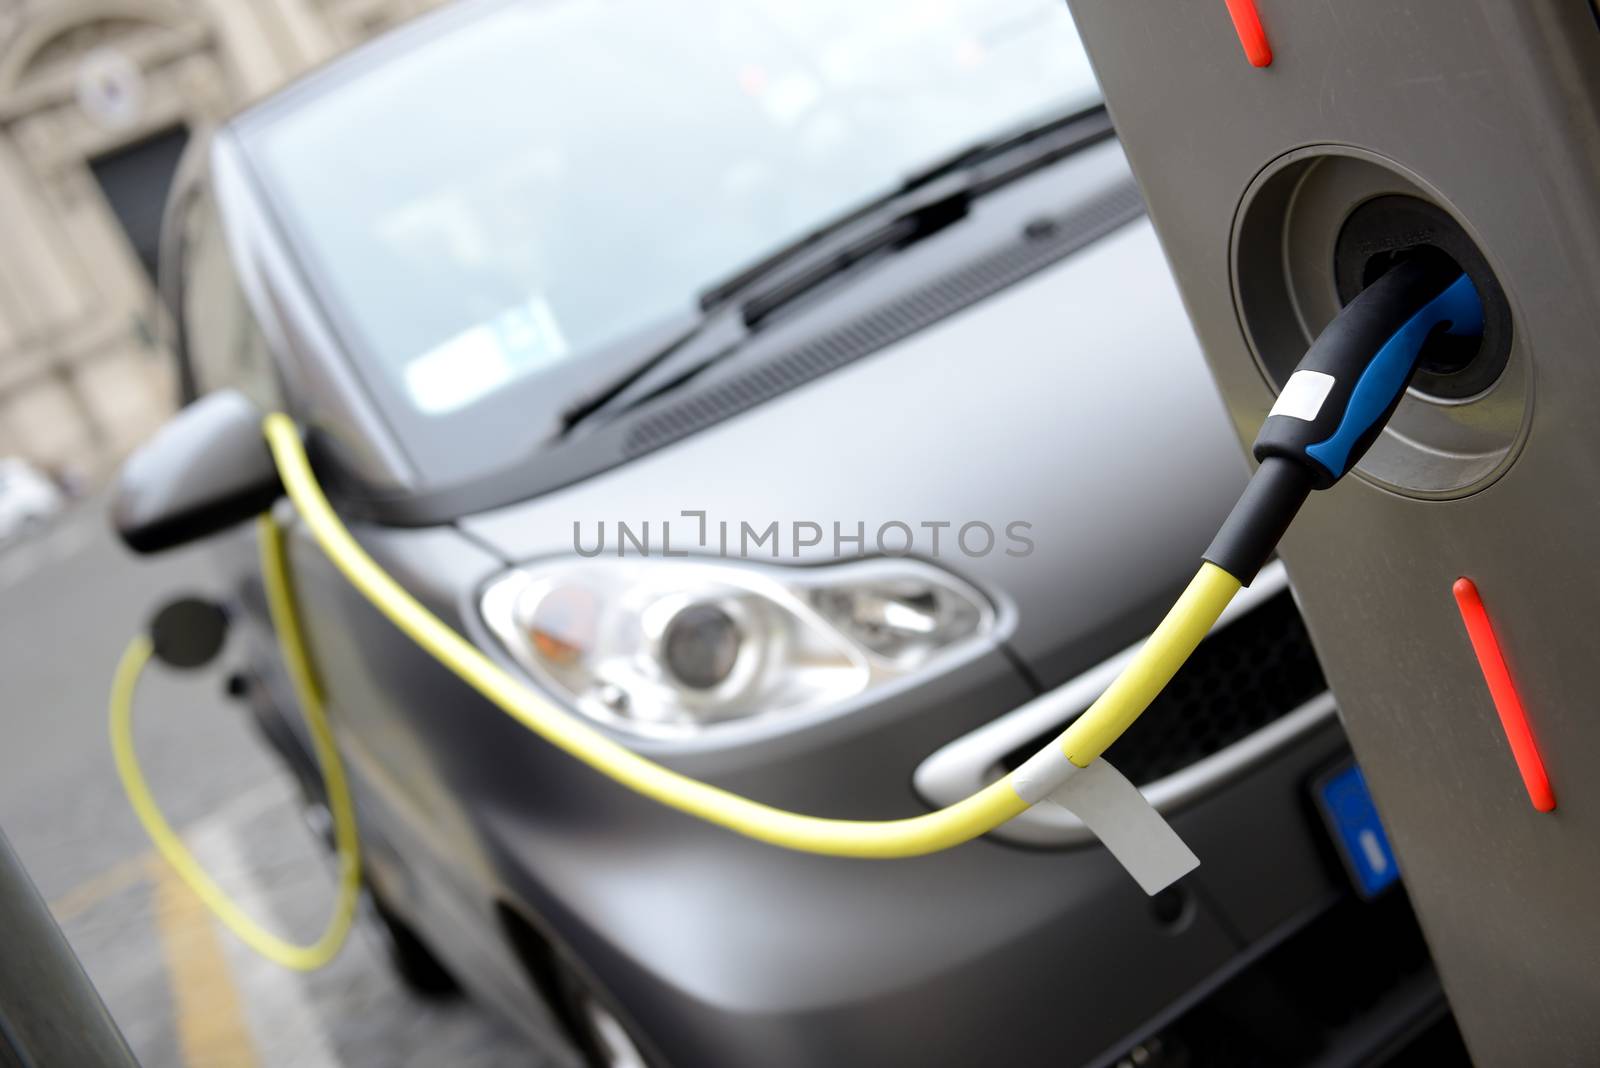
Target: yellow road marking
(136,869)
(211,1026)
(89,893)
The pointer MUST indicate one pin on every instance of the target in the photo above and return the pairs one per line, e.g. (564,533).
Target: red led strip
(1513,718)
(1247,23)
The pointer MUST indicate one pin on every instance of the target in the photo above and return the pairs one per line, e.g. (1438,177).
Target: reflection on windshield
(483,358)
(548,178)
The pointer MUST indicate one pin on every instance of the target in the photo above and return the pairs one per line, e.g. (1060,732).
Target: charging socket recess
(1319,224)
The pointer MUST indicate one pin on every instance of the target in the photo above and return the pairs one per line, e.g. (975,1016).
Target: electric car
(797,394)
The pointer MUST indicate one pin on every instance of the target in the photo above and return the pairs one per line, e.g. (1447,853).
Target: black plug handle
(1337,401)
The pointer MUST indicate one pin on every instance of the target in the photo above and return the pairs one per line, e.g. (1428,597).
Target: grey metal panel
(50,1014)
(1039,405)
(1491,105)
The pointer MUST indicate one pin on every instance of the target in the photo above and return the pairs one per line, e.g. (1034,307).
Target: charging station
(1289,153)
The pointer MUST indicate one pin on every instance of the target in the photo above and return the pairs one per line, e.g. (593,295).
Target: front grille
(1257,669)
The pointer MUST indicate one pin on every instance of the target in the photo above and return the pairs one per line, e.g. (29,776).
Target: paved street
(184,991)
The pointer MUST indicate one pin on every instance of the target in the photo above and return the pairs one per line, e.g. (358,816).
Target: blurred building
(98,99)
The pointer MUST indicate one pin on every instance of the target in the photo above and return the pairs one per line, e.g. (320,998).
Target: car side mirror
(206,470)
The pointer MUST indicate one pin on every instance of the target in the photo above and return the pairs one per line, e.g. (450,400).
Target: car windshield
(550,178)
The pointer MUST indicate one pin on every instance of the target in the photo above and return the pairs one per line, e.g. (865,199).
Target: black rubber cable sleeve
(1267,506)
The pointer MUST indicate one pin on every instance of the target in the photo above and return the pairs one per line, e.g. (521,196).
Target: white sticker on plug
(1303,395)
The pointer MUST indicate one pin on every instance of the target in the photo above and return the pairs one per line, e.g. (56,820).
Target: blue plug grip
(1383,379)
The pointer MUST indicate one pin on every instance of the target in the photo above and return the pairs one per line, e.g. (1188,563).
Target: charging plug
(1338,400)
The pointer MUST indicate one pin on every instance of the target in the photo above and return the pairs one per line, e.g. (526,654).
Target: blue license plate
(1352,819)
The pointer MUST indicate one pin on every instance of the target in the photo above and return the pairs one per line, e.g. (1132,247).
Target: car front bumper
(729,952)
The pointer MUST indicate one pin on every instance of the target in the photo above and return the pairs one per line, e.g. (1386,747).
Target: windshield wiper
(921,205)
(1077,129)
(729,325)
(707,328)
(934,198)
(1064,135)
(918,216)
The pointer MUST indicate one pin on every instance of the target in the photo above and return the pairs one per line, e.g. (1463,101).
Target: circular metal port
(1387,229)
(1315,227)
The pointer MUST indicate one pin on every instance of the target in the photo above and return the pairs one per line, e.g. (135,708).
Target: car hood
(1072,411)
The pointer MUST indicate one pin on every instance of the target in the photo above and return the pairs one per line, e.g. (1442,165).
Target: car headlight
(674,647)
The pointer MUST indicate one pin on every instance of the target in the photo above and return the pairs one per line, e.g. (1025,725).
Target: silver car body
(1073,400)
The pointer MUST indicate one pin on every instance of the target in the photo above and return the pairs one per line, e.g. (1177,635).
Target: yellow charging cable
(280,600)
(1085,739)
(1290,469)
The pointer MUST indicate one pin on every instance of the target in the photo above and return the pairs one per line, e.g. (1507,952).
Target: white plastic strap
(1118,814)
(1043,773)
